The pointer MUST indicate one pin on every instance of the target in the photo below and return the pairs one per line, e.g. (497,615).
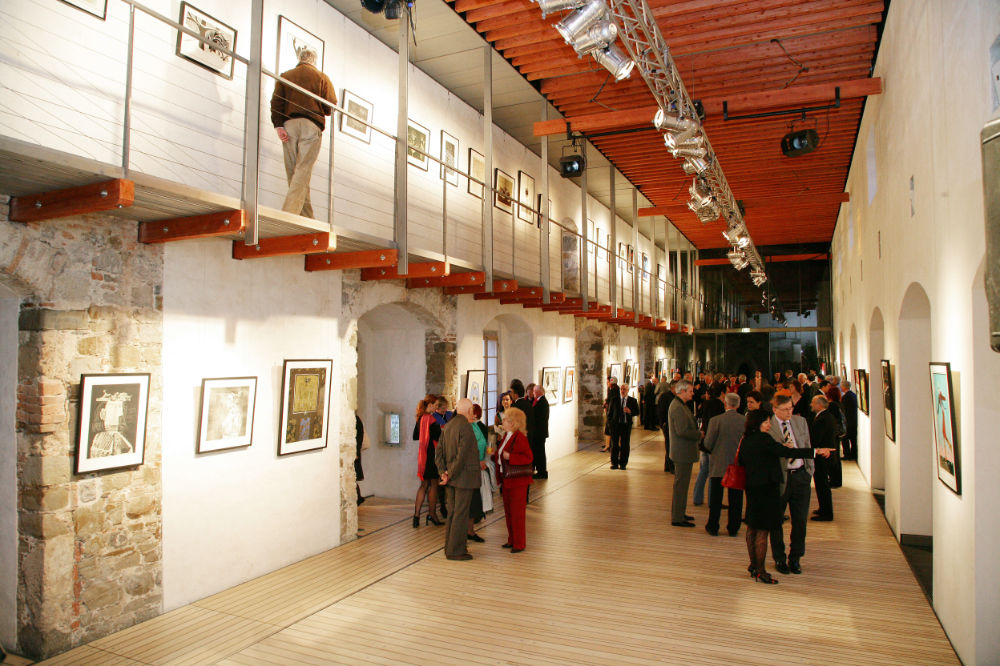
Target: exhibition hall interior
(242,242)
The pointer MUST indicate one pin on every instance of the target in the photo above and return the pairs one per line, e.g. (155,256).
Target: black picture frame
(225,420)
(203,54)
(888,399)
(90,7)
(112,421)
(304,420)
(946,445)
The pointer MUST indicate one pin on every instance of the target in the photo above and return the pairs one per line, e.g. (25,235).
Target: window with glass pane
(490,356)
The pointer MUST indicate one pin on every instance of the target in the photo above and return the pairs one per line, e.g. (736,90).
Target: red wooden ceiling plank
(503,8)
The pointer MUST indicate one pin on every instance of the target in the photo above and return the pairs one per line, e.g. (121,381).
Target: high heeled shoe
(764,577)
(416,520)
(433,519)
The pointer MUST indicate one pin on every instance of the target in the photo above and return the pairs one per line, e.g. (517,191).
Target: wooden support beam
(210,225)
(340,261)
(283,246)
(499,287)
(567,305)
(471,279)
(773,259)
(415,270)
(555,298)
(93,198)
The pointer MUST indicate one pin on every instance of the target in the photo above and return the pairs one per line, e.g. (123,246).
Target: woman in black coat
(761,455)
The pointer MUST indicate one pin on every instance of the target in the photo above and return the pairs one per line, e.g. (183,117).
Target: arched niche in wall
(392,377)
(515,349)
(913,413)
(872,452)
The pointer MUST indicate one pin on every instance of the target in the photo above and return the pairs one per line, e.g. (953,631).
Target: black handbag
(515,471)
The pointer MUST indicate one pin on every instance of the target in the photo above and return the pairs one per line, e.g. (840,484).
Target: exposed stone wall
(591,380)
(89,545)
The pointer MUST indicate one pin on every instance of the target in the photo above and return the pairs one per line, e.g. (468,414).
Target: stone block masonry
(89,546)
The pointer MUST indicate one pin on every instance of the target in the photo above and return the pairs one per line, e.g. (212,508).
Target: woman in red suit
(514,450)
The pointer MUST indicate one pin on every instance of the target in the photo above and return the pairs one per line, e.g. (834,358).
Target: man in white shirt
(791,429)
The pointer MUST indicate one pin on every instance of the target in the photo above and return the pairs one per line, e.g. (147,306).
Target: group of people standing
(470,461)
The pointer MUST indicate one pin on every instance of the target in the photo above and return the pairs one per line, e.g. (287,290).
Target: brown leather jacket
(287,102)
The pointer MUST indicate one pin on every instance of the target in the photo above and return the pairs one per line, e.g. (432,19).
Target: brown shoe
(467,556)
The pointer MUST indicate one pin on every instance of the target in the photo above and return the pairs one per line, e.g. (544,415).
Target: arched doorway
(871,454)
(913,416)
(514,340)
(9,308)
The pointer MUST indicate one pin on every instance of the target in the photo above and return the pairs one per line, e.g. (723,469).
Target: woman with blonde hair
(427,432)
(515,457)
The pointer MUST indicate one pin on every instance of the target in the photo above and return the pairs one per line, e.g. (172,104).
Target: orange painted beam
(474,278)
(339,261)
(283,246)
(197,226)
(93,198)
(499,287)
(415,270)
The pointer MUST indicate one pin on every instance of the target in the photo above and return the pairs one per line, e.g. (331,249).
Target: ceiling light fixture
(552,6)
(576,24)
(615,61)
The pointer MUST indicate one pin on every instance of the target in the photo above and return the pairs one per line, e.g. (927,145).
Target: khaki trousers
(301,151)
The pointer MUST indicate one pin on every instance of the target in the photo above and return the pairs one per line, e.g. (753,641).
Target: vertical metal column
(678,294)
(544,209)
(690,286)
(612,263)
(487,237)
(251,123)
(654,304)
(127,123)
(699,308)
(584,272)
(399,232)
(668,301)
(329,184)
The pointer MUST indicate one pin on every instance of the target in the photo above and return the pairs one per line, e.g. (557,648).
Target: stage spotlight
(393,8)
(615,61)
(690,139)
(374,6)
(738,258)
(571,166)
(599,36)
(552,6)
(576,24)
(798,143)
(695,165)
(690,153)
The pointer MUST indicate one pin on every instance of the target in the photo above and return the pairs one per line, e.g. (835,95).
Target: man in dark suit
(521,402)
(742,390)
(649,409)
(621,428)
(849,403)
(795,491)
(684,438)
(457,459)
(539,432)
(721,442)
(823,434)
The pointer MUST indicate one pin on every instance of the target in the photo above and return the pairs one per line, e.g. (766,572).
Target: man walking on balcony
(300,121)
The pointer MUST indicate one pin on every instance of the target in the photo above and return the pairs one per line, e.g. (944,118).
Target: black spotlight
(374,6)
(798,143)
(571,166)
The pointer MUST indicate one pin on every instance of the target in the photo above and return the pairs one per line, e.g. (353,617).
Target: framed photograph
(98,8)
(206,54)
(227,409)
(305,405)
(863,391)
(504,186)
(945,432)
(550,382)
(449,155)
(475,386)
(888,400)
(569,383)
(525,196)
(359,108)
(112,421)
(291,40)
(477,169)
(615,370)
(417,139)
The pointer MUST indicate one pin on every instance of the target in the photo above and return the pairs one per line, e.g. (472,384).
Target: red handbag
(736,474)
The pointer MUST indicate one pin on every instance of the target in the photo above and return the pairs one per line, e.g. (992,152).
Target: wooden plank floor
(605,579)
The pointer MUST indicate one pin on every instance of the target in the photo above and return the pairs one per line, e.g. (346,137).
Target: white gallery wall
(229,516)
(909,252)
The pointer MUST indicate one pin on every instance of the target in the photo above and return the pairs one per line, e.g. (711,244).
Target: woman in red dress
(427,432)
(514,450)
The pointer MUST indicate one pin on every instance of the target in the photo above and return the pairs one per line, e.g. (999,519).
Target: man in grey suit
(721,441)
(457,459)
(792,430)
(684,438)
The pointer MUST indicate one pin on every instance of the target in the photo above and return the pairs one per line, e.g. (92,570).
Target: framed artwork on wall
(888,400)
(358,108)
(449,155)
(477,169)
(843,372)
(949,469)
(550,382)
(615,370)
(227,409)
(525,196)
(206,54)
(631,259)
(645,267)
(503,184)
(291,40)
(475,386)
(98,8)
(417,144)
(863,391)
(569,383)
(112,429)
(305,405)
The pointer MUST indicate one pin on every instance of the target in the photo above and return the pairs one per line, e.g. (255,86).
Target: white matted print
(291,40)
(206,54)
(525,196)
(359,108)
(112,421)
(227,409)
(550,382)
(449,155)
(98,8)
(417,144)
(305,405)
(504,186)
(477,169)
(475,386)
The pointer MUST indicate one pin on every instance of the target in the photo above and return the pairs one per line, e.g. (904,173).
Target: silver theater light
(615,61)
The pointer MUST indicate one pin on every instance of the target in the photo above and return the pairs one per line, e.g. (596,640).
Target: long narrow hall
(604,579)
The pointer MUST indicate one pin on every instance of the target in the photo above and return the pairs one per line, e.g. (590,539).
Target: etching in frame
(98,8)
(112,426)
(204,54)
(305,405)
(525,196)
(615,370)
(946,450)
(449,155)
(477,169)
(417,139)
(550,383)
(227,410)
(361,108)
(291,39)
(475,386)
(569,383)
(504,195)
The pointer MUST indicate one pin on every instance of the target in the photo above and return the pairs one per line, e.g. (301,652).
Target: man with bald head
(457,459)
